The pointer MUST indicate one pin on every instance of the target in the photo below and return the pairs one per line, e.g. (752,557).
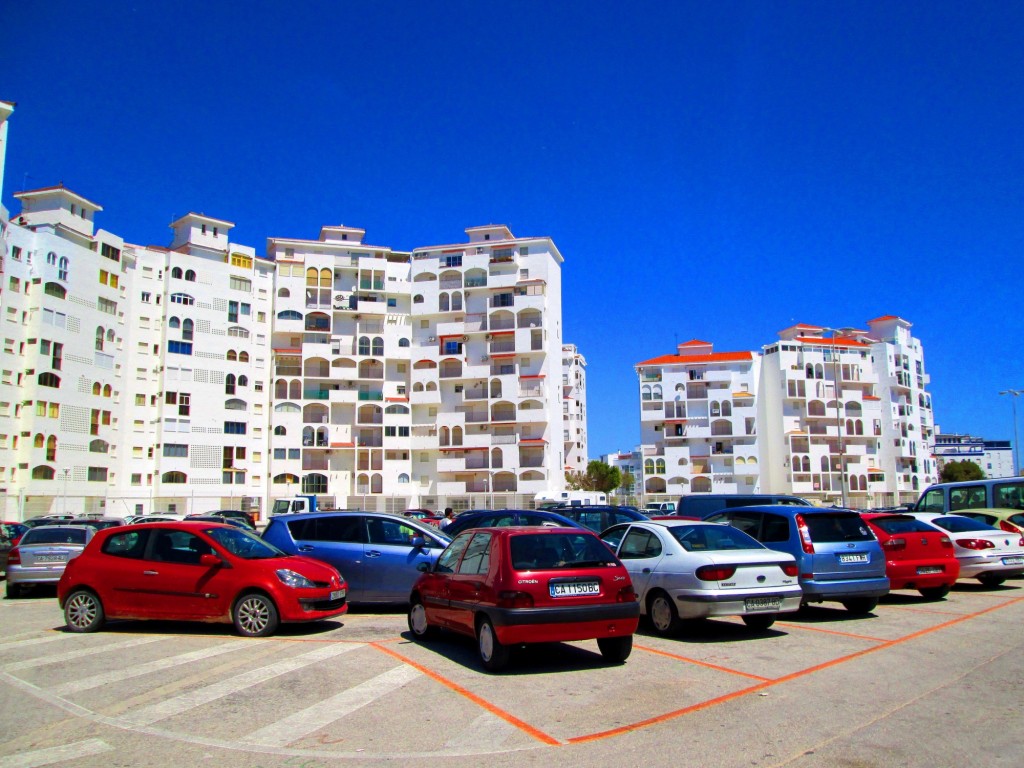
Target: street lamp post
(64,494)
(1014,394)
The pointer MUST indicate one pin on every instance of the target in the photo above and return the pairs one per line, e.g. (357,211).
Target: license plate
(337,594)
(51,558)
(573,588)
(928,569)
(861,558)
(762,603)
(1013,561)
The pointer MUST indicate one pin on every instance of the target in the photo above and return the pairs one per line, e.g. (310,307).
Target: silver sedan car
(695,570)
(42,554)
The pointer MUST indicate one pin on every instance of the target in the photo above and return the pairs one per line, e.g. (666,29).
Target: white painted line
(310,719)
(126,673)
(486,732)
(51,755)
(59,658)
(33,641)
(161,710)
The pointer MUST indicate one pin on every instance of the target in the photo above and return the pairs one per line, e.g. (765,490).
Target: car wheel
(83,611)
(13,591)
(615,649)
(991,580)
(860,605)
(255,615)
(934,593)
(418,625)
(663,614)
(759,621)
(493,654)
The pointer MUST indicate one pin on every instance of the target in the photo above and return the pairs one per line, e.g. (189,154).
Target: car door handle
(150,573)
(305,548)
(646,570)
(373,553)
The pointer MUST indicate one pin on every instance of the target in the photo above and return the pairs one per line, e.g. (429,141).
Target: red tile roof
(696,343)
(714,357)
(828,341)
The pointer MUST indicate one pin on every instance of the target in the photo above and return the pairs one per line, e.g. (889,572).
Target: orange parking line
(810,628)
(688,660)
(784,679)
(480,702)
(930,611)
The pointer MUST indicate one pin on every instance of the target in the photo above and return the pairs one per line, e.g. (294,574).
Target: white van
(546,499)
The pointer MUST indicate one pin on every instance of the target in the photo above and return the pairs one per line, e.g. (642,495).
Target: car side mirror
(210,560)
(418,542)
(423,567)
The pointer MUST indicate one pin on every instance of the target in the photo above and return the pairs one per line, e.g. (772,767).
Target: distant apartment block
(995,457)
(574,408)
(830,415)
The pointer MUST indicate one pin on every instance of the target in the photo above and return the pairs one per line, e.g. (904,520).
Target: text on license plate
(929,569)
(1013,561)
(572,588)
(337,594)
(762,603)
(858,558)
(51,558)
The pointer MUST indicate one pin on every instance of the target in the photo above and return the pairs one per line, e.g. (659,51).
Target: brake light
(805,535)
(515,600)
(895,545)
(790,569)
(1008,527)
(14,557)
(715,572)
(975,543)
(626,595)
(944,541)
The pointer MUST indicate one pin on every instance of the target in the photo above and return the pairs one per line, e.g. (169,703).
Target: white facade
(574,408)
(995,457)
(831,415)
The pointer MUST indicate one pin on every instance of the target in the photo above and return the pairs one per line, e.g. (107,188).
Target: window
(187,327)
(179,450)
(174,477)
(182,298)
(190,275)
(97,475)
(108,278)
(240,284)
(179,347)
(62,269)
(146,297)
(234,427)
(106,305)
(110,252)
(55,289)
(48,380)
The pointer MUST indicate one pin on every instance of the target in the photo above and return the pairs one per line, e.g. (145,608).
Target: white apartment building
(995,457)
(574,408)
(833,415)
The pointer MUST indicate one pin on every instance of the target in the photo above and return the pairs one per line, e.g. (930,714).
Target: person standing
(449,516)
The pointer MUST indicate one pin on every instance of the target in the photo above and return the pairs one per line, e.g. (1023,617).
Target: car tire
(860,605)
(991,579)
(83,611)
(759,621)
(493,654)
(13,591)
(663,615)
(419,627)
(934,593)
(615,649)
(255,615)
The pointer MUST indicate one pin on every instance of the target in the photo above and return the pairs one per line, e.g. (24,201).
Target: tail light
(14,557)
(515,600)
(715,572)
(1021,542)
(895,545)
(626,595)
(790,569)
(945,542)
(975,543)
(1008,527)
(805,535)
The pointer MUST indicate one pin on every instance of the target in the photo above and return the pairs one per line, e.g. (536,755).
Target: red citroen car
(196,571)
(516,585)
(917,556)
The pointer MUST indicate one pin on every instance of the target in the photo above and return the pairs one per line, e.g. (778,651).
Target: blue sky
(715,170)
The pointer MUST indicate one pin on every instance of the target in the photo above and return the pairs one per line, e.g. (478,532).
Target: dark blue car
(489,518)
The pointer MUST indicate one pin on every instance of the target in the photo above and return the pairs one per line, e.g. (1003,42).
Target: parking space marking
(839,633)
(915,609)
(486,732)
(126,673)
(34,641)
(479,701)
(323,713)
(59,658)
(175,705)
(699,663)
(50,755)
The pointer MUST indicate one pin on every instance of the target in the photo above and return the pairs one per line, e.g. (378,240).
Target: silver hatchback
(42,554)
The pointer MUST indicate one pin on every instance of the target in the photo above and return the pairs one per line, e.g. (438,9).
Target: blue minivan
(839,557)
(378,554)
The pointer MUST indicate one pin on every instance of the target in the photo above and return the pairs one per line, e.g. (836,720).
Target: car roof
(519,529)
(789,509)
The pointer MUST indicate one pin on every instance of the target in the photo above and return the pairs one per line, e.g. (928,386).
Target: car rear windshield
(830,528)
(902,524)
(958,524)
(54,536)
(703,538)
(559,550)
(241,543)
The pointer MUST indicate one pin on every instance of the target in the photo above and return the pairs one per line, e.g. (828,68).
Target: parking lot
(917,683)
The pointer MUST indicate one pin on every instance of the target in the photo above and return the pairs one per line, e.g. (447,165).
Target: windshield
(958,524)
(831,528)
(54,536)
(244,544)
(559,550)
(701,538)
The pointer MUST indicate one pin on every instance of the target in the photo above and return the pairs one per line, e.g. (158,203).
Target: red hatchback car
(917,556)
(196,571)
(515,585)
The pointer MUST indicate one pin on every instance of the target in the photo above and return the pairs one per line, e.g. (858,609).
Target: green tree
(598,477)
(955,471)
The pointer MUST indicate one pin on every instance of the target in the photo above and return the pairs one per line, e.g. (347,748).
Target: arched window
(311,277)
(378,346)
(107,390)
(726,408)
(55,289)
(285,478)
(187,327)
(403,478)
(42,472)
(417,299)
(287,408)
(280,431)
(403,342)
(99,446)
(238,332)
(659,466)
(100,336)
(234,404)
(182,298)
(283,293)
(289,314)
(442,302)
(176,273)
(243,357)
(243,381)
(325,278)
(39,441)
(48,380)
(649,466)
(96,389)
(110,335)
(176,478)
(174,322)
(232,355)
(51,258)
(51,448)
(229,384)
(62,268)
(364,345)
(190,275)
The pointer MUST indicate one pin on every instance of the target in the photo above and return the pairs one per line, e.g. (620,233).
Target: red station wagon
(196,571)
(917,556)
(515,585)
